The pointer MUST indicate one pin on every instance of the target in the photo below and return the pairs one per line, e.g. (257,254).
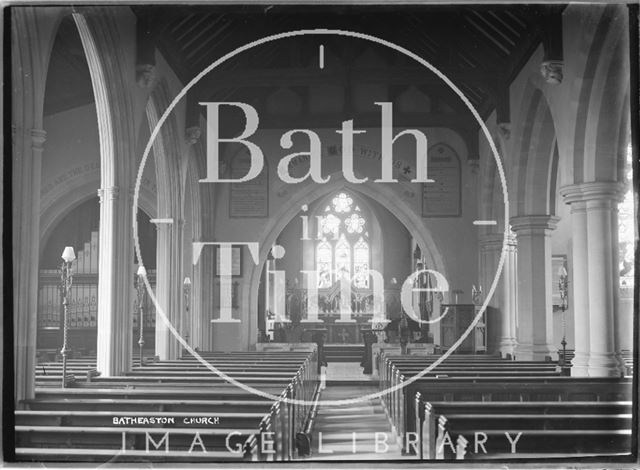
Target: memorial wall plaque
(251,198)
(442,198)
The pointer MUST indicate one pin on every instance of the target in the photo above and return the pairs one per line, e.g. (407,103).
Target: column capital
(496,240)
(551,71)
(146,75)
(109,193)
(595,190)
(533,223)
(474,165)
(38,137)
(192,134)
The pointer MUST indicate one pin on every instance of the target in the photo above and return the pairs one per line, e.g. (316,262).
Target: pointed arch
(533,169)
(394,200)
(603,98)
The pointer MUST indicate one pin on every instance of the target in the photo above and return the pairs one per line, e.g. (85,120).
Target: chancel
(321,249)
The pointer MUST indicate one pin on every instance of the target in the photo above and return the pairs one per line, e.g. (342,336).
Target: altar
(340,322)
(335,331)
(341,332)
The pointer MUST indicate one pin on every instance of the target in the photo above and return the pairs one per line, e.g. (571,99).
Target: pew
(476,362)
(465,396)
(522,430)
(76,423)
(244,367)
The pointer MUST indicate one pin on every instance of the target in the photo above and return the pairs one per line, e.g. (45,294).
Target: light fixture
(68,255)
(66,278)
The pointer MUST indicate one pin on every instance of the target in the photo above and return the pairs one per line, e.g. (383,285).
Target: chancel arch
(336,240)
(387,197)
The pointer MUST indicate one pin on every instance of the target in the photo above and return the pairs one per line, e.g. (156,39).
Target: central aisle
(348,432)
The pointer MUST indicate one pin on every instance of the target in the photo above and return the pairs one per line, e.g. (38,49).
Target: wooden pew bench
(386,361)
(522,389)
(88,429)
(248,403)
(123,438)
(232,415)
(551,428)
(76,423)
(66,454)
(206,373)
(401,405)
(227,366)
(177,381)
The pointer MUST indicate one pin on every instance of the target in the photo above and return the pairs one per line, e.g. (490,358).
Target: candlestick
(563,285)
(66,275)
(140,290)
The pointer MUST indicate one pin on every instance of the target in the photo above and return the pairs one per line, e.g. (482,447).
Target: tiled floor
(353,431)
(345,371)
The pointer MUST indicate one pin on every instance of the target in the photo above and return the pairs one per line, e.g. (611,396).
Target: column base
(507,347)
(535,352)
(603,365)
(622,366)
(580,364)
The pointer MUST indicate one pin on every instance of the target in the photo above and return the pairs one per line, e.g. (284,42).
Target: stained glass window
(354,223)
(342,203)
(324,258)
(329,224)
(626,233)
(361,264)
(343,259)
(343,250)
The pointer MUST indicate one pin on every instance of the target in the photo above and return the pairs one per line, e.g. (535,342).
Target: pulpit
(457,318)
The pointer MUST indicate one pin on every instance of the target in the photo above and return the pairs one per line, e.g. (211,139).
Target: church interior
(257,233)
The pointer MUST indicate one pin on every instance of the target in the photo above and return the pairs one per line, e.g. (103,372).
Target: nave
(518,263)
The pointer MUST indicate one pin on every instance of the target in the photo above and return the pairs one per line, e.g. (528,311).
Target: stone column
(602,361)
(98,31)
(178,278)
(504,297)
(206,262)
(169,288)
(32,36)
(535,321)
(28,146)
(596,274)
(115,278)
(580,282)
(196,331)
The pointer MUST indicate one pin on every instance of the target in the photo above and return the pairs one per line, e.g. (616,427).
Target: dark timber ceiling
(479,47)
